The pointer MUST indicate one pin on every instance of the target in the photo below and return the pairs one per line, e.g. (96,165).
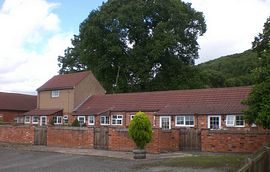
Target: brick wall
(233,141)
(72,137)
(17,134)
(162,141)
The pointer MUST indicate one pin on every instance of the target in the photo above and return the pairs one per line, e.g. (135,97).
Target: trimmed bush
(140,130)
(75,123)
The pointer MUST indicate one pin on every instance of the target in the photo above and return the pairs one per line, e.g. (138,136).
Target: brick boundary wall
(233,141)
(162,141)
(17,134)
(71,137)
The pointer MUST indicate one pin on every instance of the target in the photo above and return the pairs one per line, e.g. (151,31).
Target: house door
(190,139)
(43,120)
(101,137)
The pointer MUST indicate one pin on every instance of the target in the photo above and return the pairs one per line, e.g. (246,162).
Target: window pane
(230,120)
(239,120)
(214,122)
(189,120)
(165,123)
(180,120)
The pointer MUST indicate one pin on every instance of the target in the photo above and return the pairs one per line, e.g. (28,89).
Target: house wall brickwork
(233,141)
(17,134)
(9,116)
(70,137)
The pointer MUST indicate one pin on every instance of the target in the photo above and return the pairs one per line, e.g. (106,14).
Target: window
(184,121)
(65,119)
(27,119)
(81,119)
(230,120)
(55,93)
(131,117)
(57,119)
(91,120)
(235,121)
(35,120)
(165,122)
(214,122)
(117,119)
(104,120)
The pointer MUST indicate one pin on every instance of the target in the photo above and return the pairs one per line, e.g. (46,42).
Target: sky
(33,33)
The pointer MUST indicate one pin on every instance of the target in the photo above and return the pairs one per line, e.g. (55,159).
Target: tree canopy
(138,45)
(259,100)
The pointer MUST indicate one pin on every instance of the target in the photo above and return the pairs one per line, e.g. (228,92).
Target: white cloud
(231,25)
(30,44)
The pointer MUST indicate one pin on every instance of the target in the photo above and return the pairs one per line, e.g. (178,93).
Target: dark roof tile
(65,81)
(18,102)
(200,101)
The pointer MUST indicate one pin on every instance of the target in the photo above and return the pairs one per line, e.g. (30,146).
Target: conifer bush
(140,130)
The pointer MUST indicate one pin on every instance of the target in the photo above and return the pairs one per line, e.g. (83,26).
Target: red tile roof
(65,81)
(43,112)
(17,102)
(197,101)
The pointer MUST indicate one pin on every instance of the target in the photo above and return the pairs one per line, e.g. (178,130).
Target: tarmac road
(16,160)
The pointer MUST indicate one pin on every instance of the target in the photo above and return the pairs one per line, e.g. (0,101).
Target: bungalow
(215,108)
(13,104)
(60,95)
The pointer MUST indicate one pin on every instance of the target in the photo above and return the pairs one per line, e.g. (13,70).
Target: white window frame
(57,120)
(208,119)
(28,121)
(160,122)
(131,117)
(243,121)
(35,122)
(184,117)
(118,118)
(78,118)
(55,93)
(65,117)
(40,123)
(228,121)
(105,120)
(89,117)
(234,121)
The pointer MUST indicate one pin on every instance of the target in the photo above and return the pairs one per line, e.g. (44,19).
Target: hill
(229,71)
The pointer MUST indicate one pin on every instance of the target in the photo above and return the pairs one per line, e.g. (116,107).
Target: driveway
(13,160)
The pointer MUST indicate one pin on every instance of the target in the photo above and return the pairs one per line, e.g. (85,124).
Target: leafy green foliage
(138,45)
(259,100)
(228,71)
(140,130)
(75,123)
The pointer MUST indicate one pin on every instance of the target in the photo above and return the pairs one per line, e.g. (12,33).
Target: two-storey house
(60,95)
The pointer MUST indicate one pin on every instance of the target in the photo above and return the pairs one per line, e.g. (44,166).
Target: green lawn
(230,162)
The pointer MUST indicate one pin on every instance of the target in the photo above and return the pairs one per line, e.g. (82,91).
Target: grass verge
(230,162)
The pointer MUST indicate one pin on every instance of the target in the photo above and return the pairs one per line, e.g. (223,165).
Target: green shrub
(140,130)
(1,121)
(52,122)
(75,123)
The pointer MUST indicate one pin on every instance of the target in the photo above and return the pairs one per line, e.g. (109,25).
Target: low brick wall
(233,141)
(72,137)
(162,141)
(17,134)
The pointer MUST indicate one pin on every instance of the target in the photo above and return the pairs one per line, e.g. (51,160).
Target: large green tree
(138,45)
(259,100)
